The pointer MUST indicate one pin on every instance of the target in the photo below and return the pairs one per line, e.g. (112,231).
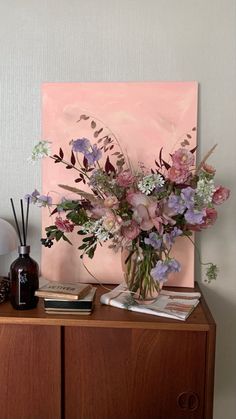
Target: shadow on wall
(224,314)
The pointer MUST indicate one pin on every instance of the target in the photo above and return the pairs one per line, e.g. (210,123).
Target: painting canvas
(144,117)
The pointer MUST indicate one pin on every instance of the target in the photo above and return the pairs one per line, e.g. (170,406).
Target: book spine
(85,305)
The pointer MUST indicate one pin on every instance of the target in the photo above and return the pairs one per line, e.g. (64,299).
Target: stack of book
(66,298)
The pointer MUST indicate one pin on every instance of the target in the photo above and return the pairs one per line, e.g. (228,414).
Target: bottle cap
(23,250)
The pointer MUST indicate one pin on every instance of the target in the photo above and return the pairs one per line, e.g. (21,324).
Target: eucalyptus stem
(138,277)
(212,270)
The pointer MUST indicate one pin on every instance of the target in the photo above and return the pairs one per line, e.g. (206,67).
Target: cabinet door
(134,374)
(30,372)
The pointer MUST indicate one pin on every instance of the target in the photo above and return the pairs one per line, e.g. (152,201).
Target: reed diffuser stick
(16,222)
(23,222)
(27,218)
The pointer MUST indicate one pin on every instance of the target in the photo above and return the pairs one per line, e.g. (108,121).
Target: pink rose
(111,221)
(182,158)
(125,178)
(141,203)
(220,195)
(64,225)
(137,198)
(142,217)
(130,231)
(178,175)
(97,211)
(111,202)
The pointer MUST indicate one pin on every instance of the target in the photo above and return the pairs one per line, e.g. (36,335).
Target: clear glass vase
(137,265)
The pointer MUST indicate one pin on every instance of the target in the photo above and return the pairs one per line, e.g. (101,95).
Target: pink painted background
(144,117)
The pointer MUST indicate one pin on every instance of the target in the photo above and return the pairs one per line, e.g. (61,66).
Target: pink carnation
(220,195)
(130,231)
(209,169)
(183,159)
(125,178)
(178,175)
(64,225)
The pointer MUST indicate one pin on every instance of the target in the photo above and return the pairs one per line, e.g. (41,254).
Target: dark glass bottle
(24,280)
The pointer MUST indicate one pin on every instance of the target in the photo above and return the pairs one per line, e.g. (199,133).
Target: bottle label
(23,278)
(22,281)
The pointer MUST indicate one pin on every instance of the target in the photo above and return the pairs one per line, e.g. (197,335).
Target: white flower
(96,228)
(40,150)
(150,182)
(204,191)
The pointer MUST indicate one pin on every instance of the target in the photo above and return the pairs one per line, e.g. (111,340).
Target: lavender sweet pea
(176,204)
(40,200)
(164,268)
(82,145)
(153,240)
(94,155)
(187,196)
(194,216)
(33,197)
(169,238)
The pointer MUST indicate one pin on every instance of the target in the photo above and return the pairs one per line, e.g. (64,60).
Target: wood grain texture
(106,316)
(135,374)
(30,372)
(114,364)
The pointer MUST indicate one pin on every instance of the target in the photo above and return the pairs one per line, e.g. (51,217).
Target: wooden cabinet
(30,372)
(113,364)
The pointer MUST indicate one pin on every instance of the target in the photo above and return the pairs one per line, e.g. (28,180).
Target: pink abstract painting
(144,116)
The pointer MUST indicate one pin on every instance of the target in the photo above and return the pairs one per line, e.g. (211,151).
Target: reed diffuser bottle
(24,271)
(24,278)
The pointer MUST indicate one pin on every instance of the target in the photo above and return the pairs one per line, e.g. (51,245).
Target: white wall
(128,40)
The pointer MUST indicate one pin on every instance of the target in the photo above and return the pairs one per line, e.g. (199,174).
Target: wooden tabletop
(107,316)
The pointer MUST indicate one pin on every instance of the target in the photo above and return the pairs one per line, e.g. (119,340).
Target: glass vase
(137,265)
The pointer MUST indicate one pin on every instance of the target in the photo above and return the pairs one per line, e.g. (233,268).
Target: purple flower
(176,203)
(176,232)
(40,200)
(94,155)
(169,238)
(81,145)
(32,197)
(174,265)
(194,216)
(44,200)
(160,272)
(187,195)
(164,268)
(154,240)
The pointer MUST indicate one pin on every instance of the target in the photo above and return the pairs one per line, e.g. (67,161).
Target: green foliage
(89,246)
(78,217)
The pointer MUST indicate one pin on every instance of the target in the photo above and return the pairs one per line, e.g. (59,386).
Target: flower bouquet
(138,210)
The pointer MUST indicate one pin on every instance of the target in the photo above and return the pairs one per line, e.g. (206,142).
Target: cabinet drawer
(30,372)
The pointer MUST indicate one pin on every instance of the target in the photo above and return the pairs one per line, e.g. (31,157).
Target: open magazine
(170,304)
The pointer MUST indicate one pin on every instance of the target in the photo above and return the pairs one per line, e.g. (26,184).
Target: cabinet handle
(188,401)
